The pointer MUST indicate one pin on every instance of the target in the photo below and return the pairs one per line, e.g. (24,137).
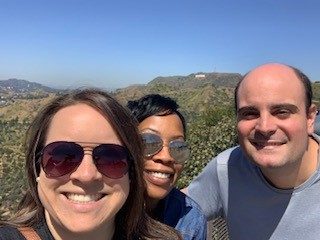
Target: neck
(152,203)
(59,232)
(294,174)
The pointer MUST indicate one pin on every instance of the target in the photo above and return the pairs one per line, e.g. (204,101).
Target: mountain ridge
(199,78)
(23,86)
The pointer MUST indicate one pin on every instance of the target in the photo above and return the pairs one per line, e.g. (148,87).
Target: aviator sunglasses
(61,158)
(153,144)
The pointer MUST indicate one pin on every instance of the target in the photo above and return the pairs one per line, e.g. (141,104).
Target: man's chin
(267,162)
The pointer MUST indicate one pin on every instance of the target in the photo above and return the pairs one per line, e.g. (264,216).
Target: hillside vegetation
(207,105)
(23,108)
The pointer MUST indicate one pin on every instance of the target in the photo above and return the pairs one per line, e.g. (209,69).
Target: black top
(9,233)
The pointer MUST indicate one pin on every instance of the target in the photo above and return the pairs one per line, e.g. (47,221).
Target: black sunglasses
(153,144)
(61,158)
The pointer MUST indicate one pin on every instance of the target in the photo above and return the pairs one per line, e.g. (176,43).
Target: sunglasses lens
(179,151)
(152,144)
(60,158)
(111,160)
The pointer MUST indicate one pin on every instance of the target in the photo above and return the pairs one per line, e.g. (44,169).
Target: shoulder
(316,137)
(219,165)
(156,230)
(210,188)
(190,219)
(225,158)
(9,232)
(187,203)
(229,155)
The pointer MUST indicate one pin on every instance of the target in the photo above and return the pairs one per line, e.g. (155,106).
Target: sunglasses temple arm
(35,158)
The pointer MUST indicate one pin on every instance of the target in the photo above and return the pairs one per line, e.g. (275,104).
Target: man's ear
(311,117)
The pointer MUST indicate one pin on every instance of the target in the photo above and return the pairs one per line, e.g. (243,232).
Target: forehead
(81,123)
(167,124)
(271,85)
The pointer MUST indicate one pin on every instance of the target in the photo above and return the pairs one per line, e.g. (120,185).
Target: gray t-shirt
(232,187)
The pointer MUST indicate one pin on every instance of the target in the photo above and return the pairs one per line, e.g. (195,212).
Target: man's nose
(266,124)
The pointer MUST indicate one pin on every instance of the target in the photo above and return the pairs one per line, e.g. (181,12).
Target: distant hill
(23,108)
(14,85)
(194,93)
(199,79)
(16,95)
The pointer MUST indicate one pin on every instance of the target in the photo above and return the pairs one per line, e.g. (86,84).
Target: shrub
(213,132)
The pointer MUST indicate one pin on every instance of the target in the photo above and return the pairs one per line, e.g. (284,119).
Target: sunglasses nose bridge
(87,170)
(164,154)
(87,152)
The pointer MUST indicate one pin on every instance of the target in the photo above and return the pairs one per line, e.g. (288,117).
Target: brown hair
(131,221)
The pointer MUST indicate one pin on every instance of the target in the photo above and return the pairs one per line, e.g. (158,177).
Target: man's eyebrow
(289,106)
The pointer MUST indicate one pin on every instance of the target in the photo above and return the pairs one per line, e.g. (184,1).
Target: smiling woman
(84,164)
(163,131)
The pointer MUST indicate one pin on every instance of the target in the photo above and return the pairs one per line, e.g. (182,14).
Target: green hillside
(207,105)
(199,102)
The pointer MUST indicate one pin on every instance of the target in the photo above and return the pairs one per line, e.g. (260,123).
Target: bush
(12,175)
(209,135)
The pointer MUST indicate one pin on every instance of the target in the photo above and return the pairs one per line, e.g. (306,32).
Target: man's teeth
(268,144)
(160,175)
(83,198)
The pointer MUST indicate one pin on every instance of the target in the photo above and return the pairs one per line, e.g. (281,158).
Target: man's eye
(283,113)
(248,115)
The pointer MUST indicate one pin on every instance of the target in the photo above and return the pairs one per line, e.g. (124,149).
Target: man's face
(272,122)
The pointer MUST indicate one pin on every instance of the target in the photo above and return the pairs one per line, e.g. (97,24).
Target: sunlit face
(273,125)
(160,171)
(84,201)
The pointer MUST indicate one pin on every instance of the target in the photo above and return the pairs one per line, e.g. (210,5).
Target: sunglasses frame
(172,154)
(124,150)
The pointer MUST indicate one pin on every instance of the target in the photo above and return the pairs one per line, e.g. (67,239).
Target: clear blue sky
(111,44)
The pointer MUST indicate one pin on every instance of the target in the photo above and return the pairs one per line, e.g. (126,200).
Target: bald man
(268,187)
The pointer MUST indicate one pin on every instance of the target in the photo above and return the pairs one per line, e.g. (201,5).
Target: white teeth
(274,144)
(83,198)
(160,175)
(266,144)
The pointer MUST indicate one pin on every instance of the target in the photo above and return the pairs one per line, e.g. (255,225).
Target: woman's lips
(158,178)
(83,203)
(83,198)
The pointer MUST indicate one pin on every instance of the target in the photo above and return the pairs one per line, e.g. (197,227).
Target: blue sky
(112,44)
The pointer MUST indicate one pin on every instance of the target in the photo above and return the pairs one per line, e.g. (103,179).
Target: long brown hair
(131,221)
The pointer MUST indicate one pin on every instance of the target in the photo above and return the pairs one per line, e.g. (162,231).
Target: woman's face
(84,201)
(161,171)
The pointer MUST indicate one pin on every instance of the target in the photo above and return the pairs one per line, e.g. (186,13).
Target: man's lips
(267,144)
